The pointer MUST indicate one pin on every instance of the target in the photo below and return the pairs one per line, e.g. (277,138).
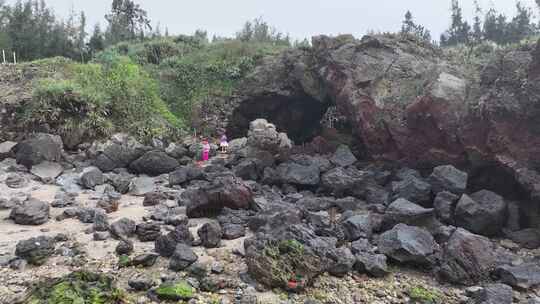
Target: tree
(259,30)
(81,39)
(459,31)
(521,25)
(477,33)
(97,42)
(127,21)
(409,27)
(494,26)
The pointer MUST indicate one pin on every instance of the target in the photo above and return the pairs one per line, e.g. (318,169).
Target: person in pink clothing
(205,150)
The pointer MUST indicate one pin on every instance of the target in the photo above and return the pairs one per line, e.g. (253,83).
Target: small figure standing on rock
(205,150)
(223,143)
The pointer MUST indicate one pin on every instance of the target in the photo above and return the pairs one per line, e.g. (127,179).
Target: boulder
(101,222)
(141,185)
(182,257)
(321,162)
(448,178)
(358,226)
(404,211)
(144,260)
(342,181)
(493,294)
(483,212)
(343,262)
(148,232)
(372,264)
(278,261)
(141,282)
(154,198)
(47,171)
(408,244)
(30,212)
(413,189)
(297,174)
(6,149)
(121,182)
(524,276)
(233,231)
(247,169)
(123,228)
(210,234)
(263,135)
(343,157)
(35,250)
(63,200)
(176,151)
(223,192)
(444,205)
(92,177)
(154,163)
(124,247)
(186,174)
(166,244)
(118,152)
(526,238)
(39,148)
(16,181)
(467,258)
(69,182)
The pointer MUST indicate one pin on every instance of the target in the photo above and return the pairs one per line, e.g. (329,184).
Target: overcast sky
(299,18)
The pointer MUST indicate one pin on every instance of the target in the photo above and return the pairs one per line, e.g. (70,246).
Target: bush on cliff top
(97,99)
(189,69)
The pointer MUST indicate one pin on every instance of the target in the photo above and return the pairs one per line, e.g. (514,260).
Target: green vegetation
(96,99)
(175,291)
(421,295)
(124,261)
(78,288)
(151,88)
(288,262)
(191,70)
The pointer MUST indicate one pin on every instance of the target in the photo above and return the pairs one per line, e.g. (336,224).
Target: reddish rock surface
(412,103)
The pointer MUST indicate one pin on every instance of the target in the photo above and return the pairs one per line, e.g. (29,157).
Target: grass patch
(191,70)
(95,100)
(422,295)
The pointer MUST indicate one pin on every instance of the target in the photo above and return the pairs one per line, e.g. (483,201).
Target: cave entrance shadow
(299,116)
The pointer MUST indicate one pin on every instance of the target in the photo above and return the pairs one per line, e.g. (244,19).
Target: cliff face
(406,102)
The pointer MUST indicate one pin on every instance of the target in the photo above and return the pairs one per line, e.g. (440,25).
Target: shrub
(99,98)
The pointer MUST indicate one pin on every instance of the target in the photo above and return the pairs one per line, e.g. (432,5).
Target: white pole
(14,58)
(4,56)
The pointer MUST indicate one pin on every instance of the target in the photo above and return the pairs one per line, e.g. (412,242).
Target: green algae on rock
(77,288)
(174,291)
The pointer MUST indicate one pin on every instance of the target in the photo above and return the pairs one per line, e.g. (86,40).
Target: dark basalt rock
(30,212)
(182,257)
(210,234)
(408,244)
(36,250)
(154,163)
(483,212)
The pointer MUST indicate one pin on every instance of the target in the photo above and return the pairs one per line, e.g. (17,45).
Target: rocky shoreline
(261,224)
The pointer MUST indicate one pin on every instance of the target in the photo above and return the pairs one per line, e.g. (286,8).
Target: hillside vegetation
(148,89)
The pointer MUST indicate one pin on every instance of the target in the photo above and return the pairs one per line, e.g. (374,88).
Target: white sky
(299,18)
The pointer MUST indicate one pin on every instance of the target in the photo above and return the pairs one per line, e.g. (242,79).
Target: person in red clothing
(205,150)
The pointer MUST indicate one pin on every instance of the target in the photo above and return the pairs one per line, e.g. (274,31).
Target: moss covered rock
(174,291)
(77,288)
